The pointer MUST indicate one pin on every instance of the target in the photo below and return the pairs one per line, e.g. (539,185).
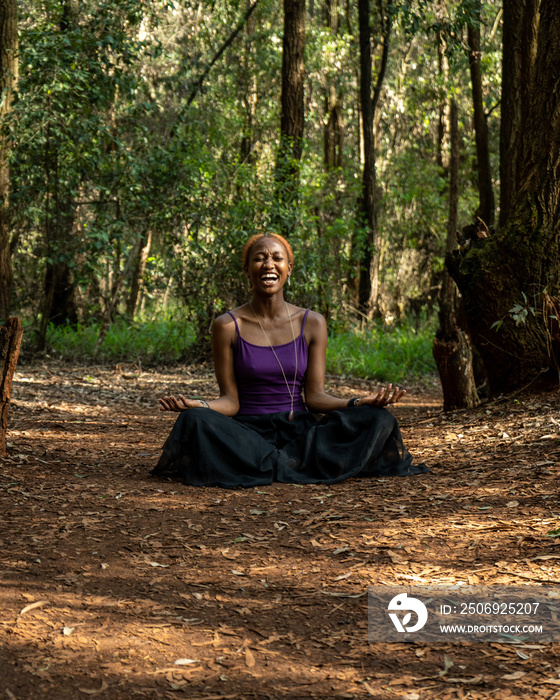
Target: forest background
(144,142)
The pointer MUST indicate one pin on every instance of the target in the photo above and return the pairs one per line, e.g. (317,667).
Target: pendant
(291,416)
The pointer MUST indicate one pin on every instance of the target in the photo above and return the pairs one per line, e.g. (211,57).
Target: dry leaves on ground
(118,585)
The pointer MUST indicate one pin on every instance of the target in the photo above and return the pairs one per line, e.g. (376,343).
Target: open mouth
(269,278)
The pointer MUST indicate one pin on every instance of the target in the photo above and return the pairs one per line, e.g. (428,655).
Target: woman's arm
(316,399)
(223,340)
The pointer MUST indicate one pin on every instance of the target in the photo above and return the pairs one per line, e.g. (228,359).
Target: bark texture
(520,23)
(8,82)
(293,75)
(452,348)
(138,273)
(59,304)
(292,114)
(520,264)
(485,191)
(369,103)
(11,334)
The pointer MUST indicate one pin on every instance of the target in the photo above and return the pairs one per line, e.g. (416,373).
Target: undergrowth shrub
(382,353)
(386,354)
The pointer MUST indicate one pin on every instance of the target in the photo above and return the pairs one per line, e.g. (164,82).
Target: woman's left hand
(384,397)
(179,404)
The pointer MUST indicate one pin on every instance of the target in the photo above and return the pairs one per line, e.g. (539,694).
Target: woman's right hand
(384,397)
(179,404)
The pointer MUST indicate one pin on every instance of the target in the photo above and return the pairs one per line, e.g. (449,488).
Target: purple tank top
(260,383)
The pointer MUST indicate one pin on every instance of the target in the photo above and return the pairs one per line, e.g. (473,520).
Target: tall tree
(292,114)
(452,350)
(519,41)
(511,281)
(59,304)
(8,82)
(369,101)
(486,205)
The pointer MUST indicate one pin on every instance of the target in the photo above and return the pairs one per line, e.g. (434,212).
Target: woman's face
(268,266)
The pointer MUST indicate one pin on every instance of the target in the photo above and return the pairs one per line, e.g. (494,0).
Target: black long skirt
(206,448)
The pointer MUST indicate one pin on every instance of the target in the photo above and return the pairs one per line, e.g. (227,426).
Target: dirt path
(109,577)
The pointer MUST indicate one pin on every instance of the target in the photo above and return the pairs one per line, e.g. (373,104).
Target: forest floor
(109,577)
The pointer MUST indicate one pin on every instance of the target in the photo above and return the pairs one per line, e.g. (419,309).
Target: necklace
(291,392)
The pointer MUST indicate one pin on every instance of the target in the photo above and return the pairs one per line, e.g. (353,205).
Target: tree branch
(387,24)
(220,51)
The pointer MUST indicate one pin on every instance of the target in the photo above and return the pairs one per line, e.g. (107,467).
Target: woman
(260,429)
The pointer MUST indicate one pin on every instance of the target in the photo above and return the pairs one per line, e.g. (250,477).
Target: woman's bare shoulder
(224,326)
(316,320)
(223,320)
(315,327)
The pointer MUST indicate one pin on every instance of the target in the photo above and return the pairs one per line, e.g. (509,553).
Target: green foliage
(111,140)
(386,354)
(382,353)
(151,342)
(518,312)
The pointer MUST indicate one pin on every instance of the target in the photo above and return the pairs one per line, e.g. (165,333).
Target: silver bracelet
(204,403)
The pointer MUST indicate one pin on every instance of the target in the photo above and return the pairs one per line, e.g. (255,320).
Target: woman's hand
(179,404)
(383,397)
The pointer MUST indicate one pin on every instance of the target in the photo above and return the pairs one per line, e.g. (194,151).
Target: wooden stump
(10,340)
(453,358)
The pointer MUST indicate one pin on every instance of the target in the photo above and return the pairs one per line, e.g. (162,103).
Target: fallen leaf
(395,557)
(32,606)
(474,680)
(343,576)
(249,658)
(93,691)
(447,664)
(514,676)
(229,555)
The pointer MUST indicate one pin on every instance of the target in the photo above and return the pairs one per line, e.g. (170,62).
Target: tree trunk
(10,341)
(511,281)
(8,83)
(485,191)
(292,115)
(249,82)
(520,24)
(451,349)
(59,304)
(138,275)
(368,291)
(330,207)
(443,107)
